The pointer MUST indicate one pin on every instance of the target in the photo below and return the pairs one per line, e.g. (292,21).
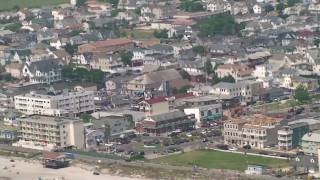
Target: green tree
(222,24)
(208,67)
(81,3)
(71,49)
(161,34)
(280,7)
(316,42)
(86,118)
(301,94)
(268,8)
(228,78)
(126,57)
(291,3)
(191,6)
(199,50)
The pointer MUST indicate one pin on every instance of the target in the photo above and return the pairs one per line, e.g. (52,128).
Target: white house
(204,114)
(43,71)
(257,9)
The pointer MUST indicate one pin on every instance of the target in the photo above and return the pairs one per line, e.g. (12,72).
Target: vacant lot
(7,5)
(221,160)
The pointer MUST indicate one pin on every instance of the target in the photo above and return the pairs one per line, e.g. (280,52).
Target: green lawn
(8,5)
(221,160)
(141,34)
(274,106)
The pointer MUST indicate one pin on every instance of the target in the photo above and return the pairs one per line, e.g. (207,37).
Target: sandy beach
(23,170)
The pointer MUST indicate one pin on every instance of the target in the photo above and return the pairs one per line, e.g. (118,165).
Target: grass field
(8,5)
(221,160)
(141,34)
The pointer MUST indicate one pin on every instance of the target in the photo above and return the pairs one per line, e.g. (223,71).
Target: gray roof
(161,47)
(169,115)
(312,136)
(45,65)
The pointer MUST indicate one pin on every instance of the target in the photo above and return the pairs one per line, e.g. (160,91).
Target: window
(202,113)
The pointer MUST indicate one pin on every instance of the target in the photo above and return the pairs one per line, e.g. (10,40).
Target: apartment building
(290,136)
(67,102)
(205,114)
(258,131)
(44,132)
(244,90)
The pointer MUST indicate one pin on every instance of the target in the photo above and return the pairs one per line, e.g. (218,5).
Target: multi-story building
(44,132)
(244,90)
(153,106)
(257,130)
(205,114)
(290,136)
(311,142)
(73,102)
(166,123)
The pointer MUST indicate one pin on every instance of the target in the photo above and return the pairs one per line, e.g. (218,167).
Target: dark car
(247,146)
(222,146)
(300,110)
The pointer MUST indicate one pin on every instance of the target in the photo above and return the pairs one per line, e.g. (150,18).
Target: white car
(233,149)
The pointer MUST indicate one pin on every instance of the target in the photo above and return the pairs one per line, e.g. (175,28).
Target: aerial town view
(159,89)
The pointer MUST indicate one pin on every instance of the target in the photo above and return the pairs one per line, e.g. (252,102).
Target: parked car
(222,146)
(247,146)
(233,149)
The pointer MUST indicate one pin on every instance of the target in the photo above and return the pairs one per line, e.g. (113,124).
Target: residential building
(258,131)
(166,123)
(255,169)
(153,106)
(47,133)
(14,69)
(244,90)
(290,136)
(43,71)
(73,102)
(205,114)
(152,80)
(311,142)
(238,72)
(305,163)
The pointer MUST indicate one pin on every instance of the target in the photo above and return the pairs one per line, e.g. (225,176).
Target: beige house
(14,69)
(152,80)
(258,131)
(154,106)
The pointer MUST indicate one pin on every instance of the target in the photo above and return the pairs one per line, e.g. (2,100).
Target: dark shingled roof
(44,65)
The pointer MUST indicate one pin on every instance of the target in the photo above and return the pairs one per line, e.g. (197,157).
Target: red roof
(183,95)
(112,42)
(156,100)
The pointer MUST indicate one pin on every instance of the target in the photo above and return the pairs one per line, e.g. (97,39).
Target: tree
(126,57)
(198,50)
(208,67)
(80,3)
(268,8)
(86,118)
(71,49)
(228,78)
(191,6)
(280,7)
(316,42)
(113,2)
(301,94)
(161,34)
(291,3)
(222,24)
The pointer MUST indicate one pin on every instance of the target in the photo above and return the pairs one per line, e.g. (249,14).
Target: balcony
(285,133)
(285,138)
